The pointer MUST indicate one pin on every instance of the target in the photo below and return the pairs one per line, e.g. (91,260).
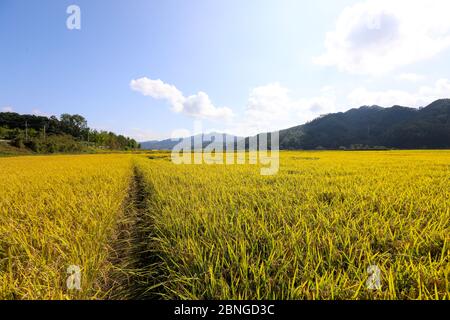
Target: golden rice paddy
(311,231)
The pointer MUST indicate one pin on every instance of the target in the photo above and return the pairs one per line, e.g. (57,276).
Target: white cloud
(143,135)
(411,77)
(180,133)
(38,112)
(271,107)
(159,90)
(198,105)
(378,36)
(7,109)
(421,97)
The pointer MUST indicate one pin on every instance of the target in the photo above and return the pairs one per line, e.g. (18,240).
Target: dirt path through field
(135,264)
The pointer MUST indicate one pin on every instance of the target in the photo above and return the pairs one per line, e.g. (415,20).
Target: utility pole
(26,131)
(44,131)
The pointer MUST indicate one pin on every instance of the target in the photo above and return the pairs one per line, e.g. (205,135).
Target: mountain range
(367,127)
(168,144)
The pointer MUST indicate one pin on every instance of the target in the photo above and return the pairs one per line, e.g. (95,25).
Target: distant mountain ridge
(158,145)
(169,144)
(365,127)
(395,127)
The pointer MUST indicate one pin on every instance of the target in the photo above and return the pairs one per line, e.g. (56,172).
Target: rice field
(319,229)
(58,211)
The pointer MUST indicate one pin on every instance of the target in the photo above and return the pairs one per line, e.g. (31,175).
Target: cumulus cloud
(7,109)
(269,107)
(159,90)
(38,112)
(198,105)
(378,36)
(272,107)
(421,97)
(411,77)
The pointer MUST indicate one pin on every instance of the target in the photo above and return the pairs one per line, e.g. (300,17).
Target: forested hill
(368,127)
(69,133)
(375,127)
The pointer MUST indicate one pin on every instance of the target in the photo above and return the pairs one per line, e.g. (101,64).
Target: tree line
(68,133)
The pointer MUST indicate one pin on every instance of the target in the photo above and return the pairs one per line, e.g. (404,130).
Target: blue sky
(148,68)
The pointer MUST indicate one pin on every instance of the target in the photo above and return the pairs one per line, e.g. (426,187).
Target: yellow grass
(55,212)
(225,231)
(310,232)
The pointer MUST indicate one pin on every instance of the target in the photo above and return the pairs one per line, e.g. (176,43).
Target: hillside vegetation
(68,134)
(371,127)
